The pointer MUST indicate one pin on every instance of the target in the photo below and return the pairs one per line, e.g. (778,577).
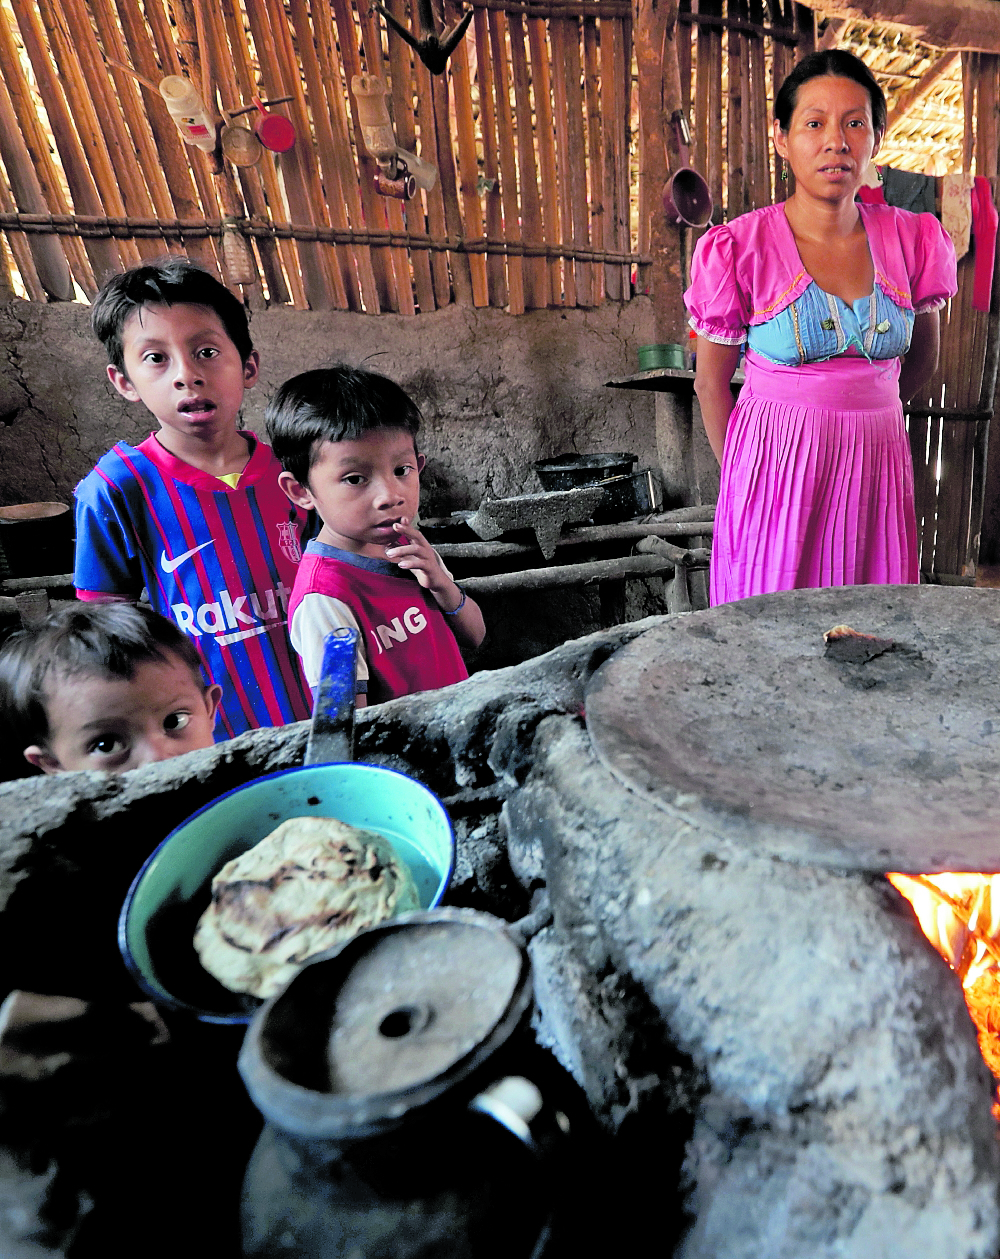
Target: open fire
(960,915)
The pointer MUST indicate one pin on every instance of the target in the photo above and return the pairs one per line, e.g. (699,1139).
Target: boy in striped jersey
(194,514)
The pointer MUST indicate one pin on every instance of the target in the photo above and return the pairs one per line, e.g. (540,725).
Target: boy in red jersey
(346,439)
(194,513)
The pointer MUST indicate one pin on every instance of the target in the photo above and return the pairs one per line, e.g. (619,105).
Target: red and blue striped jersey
(220,562)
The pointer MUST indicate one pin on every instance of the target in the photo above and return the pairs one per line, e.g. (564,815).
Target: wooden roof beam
(920,89)
(963,24)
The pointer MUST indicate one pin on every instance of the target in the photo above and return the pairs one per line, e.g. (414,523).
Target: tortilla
(311,883)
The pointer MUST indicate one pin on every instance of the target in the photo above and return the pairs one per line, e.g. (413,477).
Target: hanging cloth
(984,229)
(956,211)
(908,190)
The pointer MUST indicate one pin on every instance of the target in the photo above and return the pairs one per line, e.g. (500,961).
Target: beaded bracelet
(455,611)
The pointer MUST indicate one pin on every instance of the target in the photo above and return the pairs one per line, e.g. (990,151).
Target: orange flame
(958,915)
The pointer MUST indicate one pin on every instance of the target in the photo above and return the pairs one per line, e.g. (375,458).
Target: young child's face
(114,724)
(361,488)
(181,363)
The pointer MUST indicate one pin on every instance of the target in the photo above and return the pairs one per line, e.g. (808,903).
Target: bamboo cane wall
(530,130)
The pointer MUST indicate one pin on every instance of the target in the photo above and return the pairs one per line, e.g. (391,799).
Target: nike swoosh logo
(168,565)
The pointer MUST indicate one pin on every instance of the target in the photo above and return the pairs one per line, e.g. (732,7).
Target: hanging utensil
(686,196)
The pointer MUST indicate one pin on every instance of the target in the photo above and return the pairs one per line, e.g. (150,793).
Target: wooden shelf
(663,380)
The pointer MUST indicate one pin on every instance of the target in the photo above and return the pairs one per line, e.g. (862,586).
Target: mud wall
(496,391)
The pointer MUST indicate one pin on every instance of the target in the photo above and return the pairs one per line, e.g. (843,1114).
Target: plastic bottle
(376,125)
(188,111)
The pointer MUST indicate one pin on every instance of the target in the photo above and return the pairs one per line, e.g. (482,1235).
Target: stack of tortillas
(311,883)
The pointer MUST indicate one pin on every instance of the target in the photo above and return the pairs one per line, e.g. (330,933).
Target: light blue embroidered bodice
(819,326)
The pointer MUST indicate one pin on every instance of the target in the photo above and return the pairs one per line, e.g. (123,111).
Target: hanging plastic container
(188,110)
(274,131)
(376,125)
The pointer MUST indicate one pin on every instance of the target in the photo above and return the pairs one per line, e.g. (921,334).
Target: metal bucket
(36,540)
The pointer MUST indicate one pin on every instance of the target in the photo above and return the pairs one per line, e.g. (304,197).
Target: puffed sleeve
(934,278)
(718,309)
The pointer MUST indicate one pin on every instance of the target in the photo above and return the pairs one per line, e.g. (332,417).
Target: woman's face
(830,139)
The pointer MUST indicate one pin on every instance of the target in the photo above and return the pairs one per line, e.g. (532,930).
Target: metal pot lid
(416,1002)
(390,1020)
(736,720)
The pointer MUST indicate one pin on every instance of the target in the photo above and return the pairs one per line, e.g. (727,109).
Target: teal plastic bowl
(173,889)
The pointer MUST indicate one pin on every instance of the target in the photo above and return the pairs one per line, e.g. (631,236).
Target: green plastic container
(668,355)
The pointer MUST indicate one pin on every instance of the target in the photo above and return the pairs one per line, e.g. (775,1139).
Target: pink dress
(817,477)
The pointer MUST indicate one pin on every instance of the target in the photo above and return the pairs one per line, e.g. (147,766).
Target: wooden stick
(560,36)
(404,123)
(575,155)
(372,36)
(104,111)
(197,166)
(49,179)
(468,164)
(615,282)
(736,201)
(132,110)
(545,132)
(51,266)
(461,275)
(497,22)
(373,205)
(84,119)
(590,535)
(302,155)
(326,144)
(536,278)
(713,122)
(261,189)
(595,151)
(21,252)
(435,200)
(337,89)
(496,273)
(635,566)
(239,263)
(278,71)
(172,159)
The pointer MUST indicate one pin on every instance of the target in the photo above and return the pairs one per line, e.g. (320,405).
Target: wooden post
(656,33)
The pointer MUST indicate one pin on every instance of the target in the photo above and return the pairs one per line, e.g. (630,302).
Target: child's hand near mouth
(414,552)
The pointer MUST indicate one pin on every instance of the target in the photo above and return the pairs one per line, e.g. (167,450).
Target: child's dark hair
(834,61)
(80,640)
(167,281)
(333,404)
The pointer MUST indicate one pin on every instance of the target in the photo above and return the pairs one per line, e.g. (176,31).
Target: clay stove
(749,1005)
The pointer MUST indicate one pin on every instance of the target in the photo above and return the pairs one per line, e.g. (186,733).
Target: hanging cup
(274,131)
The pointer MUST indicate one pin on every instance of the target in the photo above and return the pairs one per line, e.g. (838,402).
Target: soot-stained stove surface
(738,719)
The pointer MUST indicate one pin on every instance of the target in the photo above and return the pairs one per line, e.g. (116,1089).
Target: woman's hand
(714,372)
(921,359)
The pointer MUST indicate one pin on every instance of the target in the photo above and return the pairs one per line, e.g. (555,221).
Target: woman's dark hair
(81,640)
(333,404)
(166,282)
(833,61)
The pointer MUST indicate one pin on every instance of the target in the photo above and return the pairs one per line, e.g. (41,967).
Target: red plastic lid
(275,132)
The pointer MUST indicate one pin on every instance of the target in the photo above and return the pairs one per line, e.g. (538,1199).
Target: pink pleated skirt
(817,481)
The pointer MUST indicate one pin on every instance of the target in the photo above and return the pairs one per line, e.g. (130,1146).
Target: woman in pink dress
(838,305)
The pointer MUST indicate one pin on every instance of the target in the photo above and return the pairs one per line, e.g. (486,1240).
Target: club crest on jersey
(288,541)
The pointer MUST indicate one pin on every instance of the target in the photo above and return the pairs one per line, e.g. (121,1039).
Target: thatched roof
(963,24)
(928,135)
